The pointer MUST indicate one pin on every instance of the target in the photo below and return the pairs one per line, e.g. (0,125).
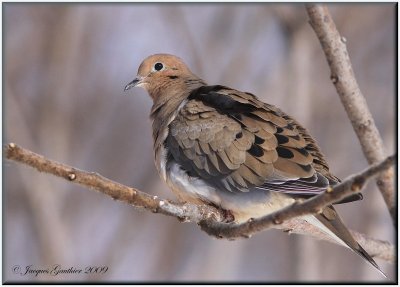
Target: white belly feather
(243,205)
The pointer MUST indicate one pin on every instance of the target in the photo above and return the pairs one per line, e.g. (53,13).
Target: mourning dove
(220,146)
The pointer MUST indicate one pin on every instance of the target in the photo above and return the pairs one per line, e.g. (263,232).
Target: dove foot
(228,215)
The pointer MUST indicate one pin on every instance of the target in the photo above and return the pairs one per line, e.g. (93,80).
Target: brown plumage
(214,144)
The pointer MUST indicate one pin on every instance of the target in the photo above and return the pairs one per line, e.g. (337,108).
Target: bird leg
(228,216)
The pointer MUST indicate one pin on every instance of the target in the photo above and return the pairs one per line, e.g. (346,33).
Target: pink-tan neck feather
(174,80)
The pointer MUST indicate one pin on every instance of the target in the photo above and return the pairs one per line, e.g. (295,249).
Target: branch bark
(209,218)
(342,76)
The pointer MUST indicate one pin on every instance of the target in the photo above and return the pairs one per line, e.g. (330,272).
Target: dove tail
(330,223)
(360,251)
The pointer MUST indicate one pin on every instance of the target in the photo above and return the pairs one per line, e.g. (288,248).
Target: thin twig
(343,78)
(208,217)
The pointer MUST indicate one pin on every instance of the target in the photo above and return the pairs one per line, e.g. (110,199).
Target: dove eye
(158,66)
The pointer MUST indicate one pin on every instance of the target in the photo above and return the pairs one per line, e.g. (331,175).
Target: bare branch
(343,78)
(92,180)
(209,218)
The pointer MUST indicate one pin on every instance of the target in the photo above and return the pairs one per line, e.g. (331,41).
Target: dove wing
(234,141)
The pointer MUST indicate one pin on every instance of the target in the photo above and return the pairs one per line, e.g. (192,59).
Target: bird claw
(228,216)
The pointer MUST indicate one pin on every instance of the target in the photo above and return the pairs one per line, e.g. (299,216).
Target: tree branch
(343,78)
(209,218)
(92,180)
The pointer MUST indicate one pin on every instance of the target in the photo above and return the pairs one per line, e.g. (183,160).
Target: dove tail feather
(360,251)
(333,226)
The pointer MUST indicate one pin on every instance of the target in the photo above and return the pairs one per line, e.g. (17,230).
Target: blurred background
(65,68)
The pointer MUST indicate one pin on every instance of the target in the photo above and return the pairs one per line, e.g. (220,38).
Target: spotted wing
(234,141)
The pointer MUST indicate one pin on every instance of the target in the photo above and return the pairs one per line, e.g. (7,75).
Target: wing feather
(239,143)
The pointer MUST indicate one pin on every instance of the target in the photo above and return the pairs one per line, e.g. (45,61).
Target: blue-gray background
(65,67)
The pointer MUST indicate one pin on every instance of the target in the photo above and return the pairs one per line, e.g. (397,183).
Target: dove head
(162,73)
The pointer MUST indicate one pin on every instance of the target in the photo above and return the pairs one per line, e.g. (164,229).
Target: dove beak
(134,83)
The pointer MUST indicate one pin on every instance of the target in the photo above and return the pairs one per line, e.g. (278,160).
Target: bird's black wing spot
(302,151)
(258,140)
(281,139)
(306,168)
(285,153)
(255,150)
